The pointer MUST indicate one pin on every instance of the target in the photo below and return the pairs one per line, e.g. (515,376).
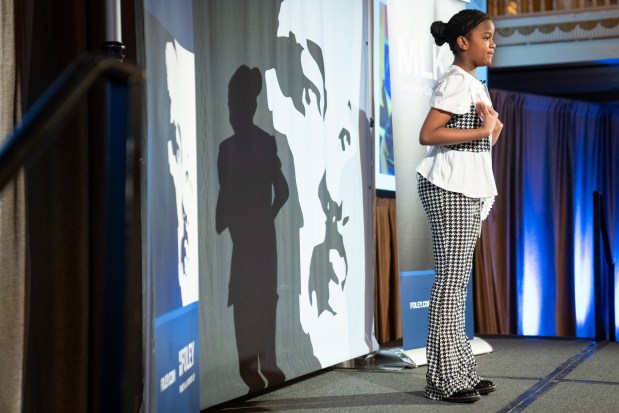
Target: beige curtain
(387,312)
(12,228)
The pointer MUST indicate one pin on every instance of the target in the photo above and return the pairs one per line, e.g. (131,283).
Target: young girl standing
(456,187)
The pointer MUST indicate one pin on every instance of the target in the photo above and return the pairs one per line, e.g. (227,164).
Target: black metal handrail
(604,281)
(52,109)
(121,259)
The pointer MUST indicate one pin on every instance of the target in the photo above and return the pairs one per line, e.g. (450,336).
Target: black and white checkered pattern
(455,221)
(469,120)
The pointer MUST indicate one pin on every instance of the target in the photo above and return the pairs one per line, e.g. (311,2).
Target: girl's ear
(462,42)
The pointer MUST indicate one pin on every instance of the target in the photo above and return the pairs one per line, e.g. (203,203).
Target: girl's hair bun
(438,32)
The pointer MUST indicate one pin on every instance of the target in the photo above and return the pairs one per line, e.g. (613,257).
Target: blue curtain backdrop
(534,261)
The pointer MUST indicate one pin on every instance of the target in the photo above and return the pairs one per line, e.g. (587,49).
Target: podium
(415,289)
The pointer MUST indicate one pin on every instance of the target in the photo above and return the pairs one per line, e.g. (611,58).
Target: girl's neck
(464,65)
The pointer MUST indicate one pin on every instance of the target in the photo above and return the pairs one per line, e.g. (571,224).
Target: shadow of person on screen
(252,190)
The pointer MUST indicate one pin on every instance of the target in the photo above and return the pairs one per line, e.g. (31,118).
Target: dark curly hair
(460,24)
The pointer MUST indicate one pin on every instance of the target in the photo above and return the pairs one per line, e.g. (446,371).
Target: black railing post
(115,240)
(603,273)
(600,333)
(611,304)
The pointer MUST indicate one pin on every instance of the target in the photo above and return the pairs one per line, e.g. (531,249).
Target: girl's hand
(498,127)
(489,118)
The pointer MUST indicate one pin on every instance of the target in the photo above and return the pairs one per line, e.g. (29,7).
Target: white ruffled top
(468,173)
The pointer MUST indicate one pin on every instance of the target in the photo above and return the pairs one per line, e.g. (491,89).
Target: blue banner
(176,365)
(415,289)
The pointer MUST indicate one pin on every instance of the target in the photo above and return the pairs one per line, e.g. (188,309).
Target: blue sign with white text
(415,290)
(176,361)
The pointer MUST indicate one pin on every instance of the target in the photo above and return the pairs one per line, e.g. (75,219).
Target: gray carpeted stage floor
(532,375)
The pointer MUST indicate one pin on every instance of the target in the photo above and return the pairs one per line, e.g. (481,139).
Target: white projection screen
(266,164)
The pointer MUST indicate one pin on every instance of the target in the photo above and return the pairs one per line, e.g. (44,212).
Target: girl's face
(481,44)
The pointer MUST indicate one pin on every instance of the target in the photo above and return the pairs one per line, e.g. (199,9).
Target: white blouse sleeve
(452,95)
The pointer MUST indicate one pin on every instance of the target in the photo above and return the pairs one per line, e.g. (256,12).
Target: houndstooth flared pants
(455,221)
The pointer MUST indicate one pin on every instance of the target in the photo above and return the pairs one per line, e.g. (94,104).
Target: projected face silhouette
(182,164)
(310,101)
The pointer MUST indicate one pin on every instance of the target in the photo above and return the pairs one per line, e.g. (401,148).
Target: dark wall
(588,81)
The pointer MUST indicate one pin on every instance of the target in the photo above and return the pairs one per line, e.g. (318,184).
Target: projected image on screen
(171,219)
(182,164)
(170,204)
(283,266)
(320,121)
(325,255)
(384,155)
